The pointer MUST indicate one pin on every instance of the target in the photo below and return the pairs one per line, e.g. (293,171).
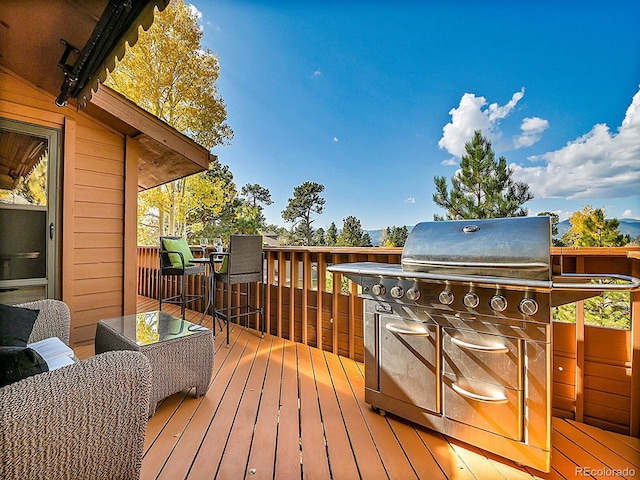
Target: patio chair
(175,255)
(85,420)
(243,263)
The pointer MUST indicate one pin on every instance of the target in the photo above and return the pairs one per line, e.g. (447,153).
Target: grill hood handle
(631,284)
(493,265)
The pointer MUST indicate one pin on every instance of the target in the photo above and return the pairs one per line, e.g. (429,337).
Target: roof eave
(165,154)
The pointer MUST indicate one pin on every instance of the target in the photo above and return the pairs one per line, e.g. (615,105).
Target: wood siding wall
(92,167)
(596,370)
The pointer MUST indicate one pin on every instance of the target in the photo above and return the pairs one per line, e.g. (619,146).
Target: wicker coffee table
(180,352)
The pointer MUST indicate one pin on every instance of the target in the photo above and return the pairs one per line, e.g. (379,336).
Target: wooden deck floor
(277,409)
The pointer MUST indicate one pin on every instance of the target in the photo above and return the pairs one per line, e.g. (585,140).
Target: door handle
(51,230)
(418,331)
(499,398)
(480,348)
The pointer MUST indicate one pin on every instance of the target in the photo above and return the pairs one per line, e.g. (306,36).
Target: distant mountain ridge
(630,226)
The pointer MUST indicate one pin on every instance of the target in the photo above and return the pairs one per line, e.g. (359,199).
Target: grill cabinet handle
(481,348)
(402,330)
(479,398)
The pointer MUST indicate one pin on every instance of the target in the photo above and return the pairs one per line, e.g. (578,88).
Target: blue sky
(373,99)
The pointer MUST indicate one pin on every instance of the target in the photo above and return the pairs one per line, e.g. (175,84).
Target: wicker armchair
(86,421)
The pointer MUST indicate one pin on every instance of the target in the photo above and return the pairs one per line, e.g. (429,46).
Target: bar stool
(242,263)
(175,256)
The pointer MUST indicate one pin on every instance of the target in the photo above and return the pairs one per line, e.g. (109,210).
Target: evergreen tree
(555,220)
(319,237)
(331,237)
(366,240)
(352,234)
(255,196)
(483,187)
(394,236)
(306,200)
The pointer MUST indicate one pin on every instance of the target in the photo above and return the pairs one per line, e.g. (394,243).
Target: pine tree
(331,237)
(306,200)
(352,234)
(483,187)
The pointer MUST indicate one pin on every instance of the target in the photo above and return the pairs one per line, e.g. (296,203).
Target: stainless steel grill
(458,337)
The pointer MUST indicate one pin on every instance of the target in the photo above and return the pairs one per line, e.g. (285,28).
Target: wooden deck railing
(596,370)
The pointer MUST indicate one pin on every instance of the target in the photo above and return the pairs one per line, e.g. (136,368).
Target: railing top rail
(628,252)
(333,249)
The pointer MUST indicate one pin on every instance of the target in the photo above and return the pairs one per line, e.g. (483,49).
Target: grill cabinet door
(407,364)
(483,381)
(480,356)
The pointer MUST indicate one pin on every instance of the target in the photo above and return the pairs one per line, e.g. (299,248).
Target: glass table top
(153,327)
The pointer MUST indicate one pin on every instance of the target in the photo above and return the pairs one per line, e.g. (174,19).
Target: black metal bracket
(62,63)
(70,78)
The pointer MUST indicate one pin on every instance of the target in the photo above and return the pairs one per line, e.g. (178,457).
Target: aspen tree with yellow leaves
(170,75)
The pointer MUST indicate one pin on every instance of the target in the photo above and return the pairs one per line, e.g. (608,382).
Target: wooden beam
(130,225)
(68,168)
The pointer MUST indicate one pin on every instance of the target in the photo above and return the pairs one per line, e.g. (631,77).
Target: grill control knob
(498,303)
(471,300)
(413,294)
(378,289)
(397,292)
(528,306)
(445,297)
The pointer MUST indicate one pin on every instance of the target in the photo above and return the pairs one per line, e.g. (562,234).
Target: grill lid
(517,247)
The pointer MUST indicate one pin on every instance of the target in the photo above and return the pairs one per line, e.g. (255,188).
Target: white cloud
(317,73)
(562,214)
(410,200)
(449,162)
(599,164)
(627,213)
(194,11)
(497,112)
(470,116)
(532,128)
(336,139)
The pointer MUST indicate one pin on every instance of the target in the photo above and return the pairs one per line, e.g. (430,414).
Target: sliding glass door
(29,195)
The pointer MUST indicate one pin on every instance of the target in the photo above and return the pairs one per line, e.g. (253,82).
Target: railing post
(353,297)
(306,285)
(579,350)
(293,285)
(282,279)
(337,287)
(322,285)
